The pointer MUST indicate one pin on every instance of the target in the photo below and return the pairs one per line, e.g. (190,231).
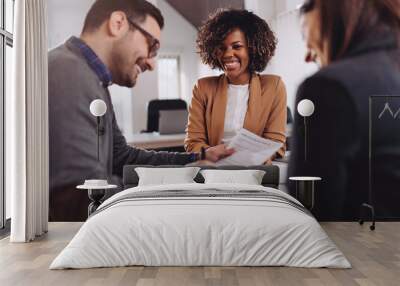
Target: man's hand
(218,152)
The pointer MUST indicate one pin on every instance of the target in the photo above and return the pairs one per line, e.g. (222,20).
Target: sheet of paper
(250,149)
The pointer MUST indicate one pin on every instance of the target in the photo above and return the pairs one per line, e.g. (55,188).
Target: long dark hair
(343,22)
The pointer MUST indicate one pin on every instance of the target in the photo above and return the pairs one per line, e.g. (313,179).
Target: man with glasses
(119,41)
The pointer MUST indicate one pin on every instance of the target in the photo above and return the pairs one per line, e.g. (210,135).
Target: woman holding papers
(240,44)
(356,43)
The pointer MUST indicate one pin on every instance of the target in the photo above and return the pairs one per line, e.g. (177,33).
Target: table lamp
(305,108)
(98,108)
(305,185)
(96,188)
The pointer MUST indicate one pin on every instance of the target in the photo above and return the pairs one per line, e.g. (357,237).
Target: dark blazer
(339,132)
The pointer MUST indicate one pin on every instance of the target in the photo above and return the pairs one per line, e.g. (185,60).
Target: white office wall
(264,8)
(283,6)
(289,58)
(293,4)
(65,18)
(179,37)
(288,61)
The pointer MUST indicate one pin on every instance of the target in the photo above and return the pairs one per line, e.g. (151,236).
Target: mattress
(201,225)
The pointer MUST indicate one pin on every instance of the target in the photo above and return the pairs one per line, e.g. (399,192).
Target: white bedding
(219,231)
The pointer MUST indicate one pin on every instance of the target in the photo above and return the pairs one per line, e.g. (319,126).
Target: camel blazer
(266,112)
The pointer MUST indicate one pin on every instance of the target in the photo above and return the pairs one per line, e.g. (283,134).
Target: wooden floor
(375,257)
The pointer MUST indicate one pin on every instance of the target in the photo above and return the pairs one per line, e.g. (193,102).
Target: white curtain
(27,124)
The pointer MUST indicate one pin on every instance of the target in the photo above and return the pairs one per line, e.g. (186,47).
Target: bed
(201,224)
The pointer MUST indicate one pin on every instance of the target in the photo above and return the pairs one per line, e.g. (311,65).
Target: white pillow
(248,177)
(165,176)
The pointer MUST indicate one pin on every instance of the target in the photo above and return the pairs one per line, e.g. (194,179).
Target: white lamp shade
(305,107)
(98,107)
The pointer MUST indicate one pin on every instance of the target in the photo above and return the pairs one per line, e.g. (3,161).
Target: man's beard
(121,71)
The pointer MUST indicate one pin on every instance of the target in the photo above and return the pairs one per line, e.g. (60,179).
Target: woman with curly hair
(240,44)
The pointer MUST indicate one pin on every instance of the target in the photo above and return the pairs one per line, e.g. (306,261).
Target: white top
(305,178)
(236,108)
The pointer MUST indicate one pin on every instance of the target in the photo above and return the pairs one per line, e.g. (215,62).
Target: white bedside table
(305,187)
(96,194)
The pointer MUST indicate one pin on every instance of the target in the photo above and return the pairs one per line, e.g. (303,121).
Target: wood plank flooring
(375,257)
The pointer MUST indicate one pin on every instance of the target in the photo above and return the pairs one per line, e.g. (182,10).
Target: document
(250,149)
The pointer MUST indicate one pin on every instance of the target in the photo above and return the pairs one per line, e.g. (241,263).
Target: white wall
(267,9)
(65,18)
(289,58)
(283,6)
(288,61)
(179,36)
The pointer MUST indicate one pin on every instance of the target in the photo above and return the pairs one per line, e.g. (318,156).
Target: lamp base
(96,197)
(305,193)
(305,188)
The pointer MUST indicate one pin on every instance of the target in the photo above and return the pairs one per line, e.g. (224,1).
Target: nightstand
(96,193)
(305,188)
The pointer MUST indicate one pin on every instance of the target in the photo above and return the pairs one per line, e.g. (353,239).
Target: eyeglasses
(154,44)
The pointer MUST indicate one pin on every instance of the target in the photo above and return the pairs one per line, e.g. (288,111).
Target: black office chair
(154,107)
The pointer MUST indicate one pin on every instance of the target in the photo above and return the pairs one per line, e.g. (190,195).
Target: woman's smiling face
(233,55)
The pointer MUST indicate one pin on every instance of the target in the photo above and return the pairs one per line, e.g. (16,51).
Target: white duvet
(200,231)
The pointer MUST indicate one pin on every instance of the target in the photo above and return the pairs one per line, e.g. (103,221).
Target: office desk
(155,140)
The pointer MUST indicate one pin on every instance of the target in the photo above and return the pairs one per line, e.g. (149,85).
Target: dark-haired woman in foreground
(357,45)
(241,44)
